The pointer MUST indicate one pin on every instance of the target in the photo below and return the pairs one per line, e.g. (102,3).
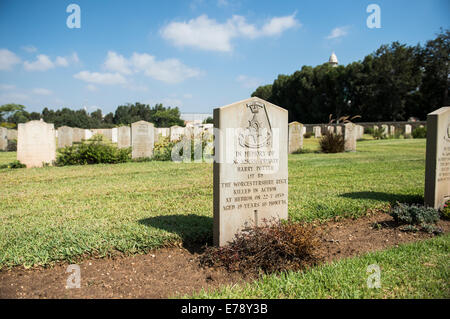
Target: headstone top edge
(252,99)
(440,110)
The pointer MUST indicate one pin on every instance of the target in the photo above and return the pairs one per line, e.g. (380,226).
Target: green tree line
(159,115)
(393,83)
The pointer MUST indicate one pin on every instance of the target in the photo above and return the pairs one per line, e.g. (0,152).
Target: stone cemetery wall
(36,143)
(65,136)
(3,138)
(437,168)
(142,139)
(295,137)
(250,166)
(78,135)
(123,137)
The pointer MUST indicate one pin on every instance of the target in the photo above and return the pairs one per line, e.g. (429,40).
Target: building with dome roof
(333,60)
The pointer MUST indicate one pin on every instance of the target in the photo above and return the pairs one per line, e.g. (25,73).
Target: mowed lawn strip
(58,213)
(417,270)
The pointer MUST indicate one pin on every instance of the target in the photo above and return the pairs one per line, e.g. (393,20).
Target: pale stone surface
(36,143)
(78,135)
(330,129)
(161,132)
(295,137)
(176,133)
(106,132)
(250,167)
(385,130)
(338,130)
(375,127)
(123,137)
(392,130)
(114,135)
(317,131)
(3,138)
(12,134)
(350,137)
(88,134)
(408,130)
(437,168)
(359,132)
(65,136)
(142,139)
(304,130)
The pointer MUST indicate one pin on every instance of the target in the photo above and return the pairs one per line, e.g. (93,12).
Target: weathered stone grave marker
(123,137)
(295,137)
(65,136)
(437,169)
(36,143)
(250,166)
(142,139)
(3,138)
(349,137)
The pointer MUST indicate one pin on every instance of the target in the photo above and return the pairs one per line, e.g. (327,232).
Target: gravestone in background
(78,135)
(392,130)
(349,137)
(338,130)
(295,137)
(36,143)
(3,138)
(65,136)
(88,134)
(123,136)
(408,130)
(176,133)
(437,168)
(114,135)
(142,139)
(317,131)
(12,134)
(385,129)
(330,129)
(250,166)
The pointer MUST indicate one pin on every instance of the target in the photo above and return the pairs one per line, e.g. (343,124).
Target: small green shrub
(96,150)
(379,134)
(162,150)
(332,143)
(13,165)
(414,215)
(446,210)
(12,146)
(307,135)
(275,247)
(369,130)
(419,132)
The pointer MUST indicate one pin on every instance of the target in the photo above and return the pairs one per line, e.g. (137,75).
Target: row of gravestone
(250,171)
(350,132)
(36,140)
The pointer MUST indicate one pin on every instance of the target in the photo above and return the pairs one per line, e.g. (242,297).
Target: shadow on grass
(195,231)
(385,197)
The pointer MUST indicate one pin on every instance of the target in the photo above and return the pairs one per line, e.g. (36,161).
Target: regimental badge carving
(447,136)
(259,132)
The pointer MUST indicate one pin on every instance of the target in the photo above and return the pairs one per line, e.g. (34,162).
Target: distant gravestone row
(6,135)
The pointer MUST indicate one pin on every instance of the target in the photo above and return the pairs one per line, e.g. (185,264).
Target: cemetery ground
(151,219)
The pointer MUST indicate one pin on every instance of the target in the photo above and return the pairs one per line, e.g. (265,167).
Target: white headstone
(250,167)
(142,139)
(36,143)
(123,136)
(295,137)
(437,168)
(65,136)
(317,131)
(3,138)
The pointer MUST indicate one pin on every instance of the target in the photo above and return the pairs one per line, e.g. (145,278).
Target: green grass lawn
(57,213)
(417,270)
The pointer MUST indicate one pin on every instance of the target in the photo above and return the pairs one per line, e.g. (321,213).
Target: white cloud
(207,34)
(7,87)
(169,70)
(91,87)
(41,91)
(338,32)
(61,61)
(8,59)
(248,82)
(42,63)
(117,63)
(100,78)
(29,48)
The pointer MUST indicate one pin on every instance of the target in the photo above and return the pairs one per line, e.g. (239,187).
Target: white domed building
(333,60)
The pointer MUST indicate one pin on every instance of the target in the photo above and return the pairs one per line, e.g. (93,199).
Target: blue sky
(195,54)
